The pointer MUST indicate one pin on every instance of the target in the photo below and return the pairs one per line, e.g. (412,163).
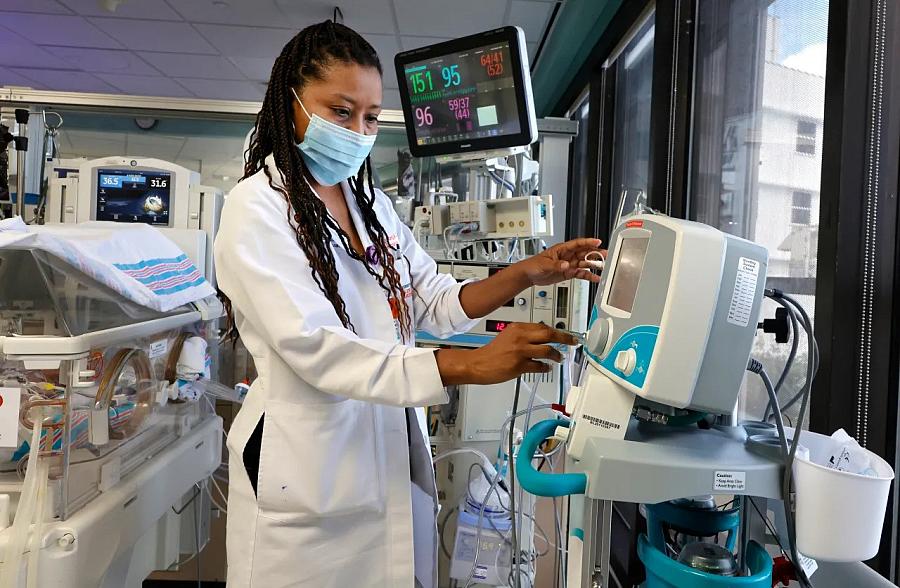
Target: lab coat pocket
(320,460)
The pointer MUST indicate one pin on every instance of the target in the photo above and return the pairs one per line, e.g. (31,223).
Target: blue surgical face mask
(331,152)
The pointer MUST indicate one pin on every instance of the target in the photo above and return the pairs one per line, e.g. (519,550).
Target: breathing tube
(31,506)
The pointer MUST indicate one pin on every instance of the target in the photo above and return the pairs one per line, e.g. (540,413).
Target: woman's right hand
(513,352)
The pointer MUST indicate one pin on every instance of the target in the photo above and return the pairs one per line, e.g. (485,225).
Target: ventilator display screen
(133,196)
(627,276)
(465,94)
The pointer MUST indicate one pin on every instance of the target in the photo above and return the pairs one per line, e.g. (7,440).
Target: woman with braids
(331,483)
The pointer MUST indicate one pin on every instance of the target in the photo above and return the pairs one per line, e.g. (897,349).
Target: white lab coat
(334,502)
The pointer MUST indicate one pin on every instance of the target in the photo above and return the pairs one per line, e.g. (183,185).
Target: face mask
(331,152)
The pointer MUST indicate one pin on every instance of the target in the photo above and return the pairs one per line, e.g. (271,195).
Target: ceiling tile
(466,17)
(416,42)
(234,41)
(262,13)
(39,6)
(223,89)
(254,68)
(149,9)
(9,77)
(104,60)
(145,85)
(386,46)
(155,35)
(369,16)
(68,81)
(363,16)
(55,29)
(532,17)
(203,66)
(19,52)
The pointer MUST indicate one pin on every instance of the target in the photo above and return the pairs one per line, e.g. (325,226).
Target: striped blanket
(136,260)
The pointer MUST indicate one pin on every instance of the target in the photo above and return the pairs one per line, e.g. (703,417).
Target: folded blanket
(135,260)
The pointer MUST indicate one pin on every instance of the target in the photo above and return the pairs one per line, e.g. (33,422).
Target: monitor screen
(629,266)
(470,94)
(133,196)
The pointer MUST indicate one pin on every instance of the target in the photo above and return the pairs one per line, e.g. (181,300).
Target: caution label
(730,482)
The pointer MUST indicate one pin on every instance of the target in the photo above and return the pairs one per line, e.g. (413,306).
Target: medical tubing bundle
(28,508)
(495,481)
(512,487)
(790,450)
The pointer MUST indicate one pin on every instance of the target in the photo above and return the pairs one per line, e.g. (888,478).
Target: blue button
(542,293)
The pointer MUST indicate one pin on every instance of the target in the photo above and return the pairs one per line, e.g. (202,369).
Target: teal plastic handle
(540,483)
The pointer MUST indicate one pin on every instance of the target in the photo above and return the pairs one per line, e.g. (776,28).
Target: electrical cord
(756,367)
(795,339)
(512,487)
(441,527)
(812,367)
(794,307)
(197,541)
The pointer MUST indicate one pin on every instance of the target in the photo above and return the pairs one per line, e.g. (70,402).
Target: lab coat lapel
(373,299)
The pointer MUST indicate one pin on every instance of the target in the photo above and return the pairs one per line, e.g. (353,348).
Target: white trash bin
(840,515)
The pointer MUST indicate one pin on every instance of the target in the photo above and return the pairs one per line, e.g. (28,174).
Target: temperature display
(496,326)
(463,95)
(133,197)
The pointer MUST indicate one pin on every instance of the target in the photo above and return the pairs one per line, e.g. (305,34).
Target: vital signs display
(469,94)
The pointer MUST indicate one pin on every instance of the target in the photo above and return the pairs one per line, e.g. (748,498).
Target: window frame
(848,144)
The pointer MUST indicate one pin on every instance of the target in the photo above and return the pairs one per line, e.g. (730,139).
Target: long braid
(302,59)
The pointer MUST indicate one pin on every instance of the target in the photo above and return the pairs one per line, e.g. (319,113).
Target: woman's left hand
(562,262)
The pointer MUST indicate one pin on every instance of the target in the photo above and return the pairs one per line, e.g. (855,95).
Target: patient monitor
(141,190)
(672,325)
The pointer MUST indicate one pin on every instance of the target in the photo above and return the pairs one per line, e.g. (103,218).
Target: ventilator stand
(657,463)
(21,142)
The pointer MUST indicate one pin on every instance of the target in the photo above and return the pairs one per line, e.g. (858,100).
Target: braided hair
(306,57)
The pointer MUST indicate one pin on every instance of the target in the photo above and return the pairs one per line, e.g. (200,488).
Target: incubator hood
(49,307)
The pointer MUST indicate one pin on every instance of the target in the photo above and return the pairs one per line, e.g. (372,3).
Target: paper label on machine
(730,482)
(745,283)
(808,564)
(158,348)
(9,417)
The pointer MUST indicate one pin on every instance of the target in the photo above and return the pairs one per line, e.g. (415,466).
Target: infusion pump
(139,190)
(562,306)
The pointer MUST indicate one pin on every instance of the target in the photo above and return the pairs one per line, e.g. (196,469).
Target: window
(633,80)
(806,137)
(755,170)
(801,208)
(578,174)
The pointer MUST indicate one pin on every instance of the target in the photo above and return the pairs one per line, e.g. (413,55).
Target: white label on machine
(158,348)
(730,482)
(480,573)
(808,564)
(9,417)
(744,292)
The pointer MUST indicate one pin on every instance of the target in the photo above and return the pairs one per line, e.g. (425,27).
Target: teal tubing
(539,483)
(664,572)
